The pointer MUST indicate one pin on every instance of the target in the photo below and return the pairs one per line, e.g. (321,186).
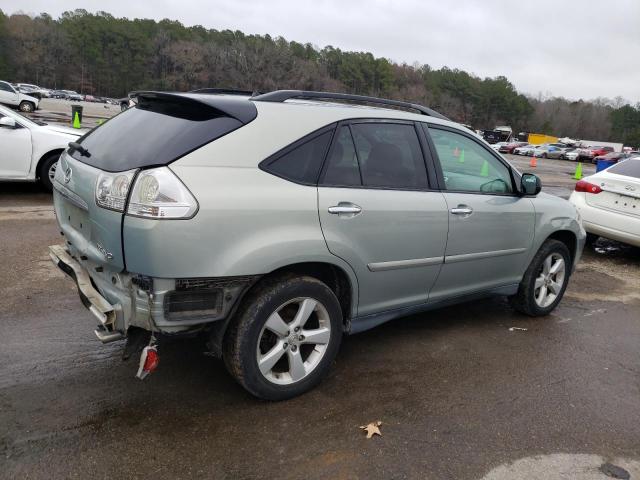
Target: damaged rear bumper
(91,298)
(119,300)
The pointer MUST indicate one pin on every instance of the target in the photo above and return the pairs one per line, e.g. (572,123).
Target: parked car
(42,92)
(12,97)
(613,156)
(510,147)
(573,155)
(275,226)
(609,202)
(72,95)
(58,94)
(497,146)
(590,153)
(30,149)
(526,150)
(541,151)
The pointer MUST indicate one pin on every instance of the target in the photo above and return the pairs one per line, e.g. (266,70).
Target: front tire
(48,171)
(27,107)
(284,337)
(545,281)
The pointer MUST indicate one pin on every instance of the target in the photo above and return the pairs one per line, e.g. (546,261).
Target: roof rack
(226,91)
(283,95)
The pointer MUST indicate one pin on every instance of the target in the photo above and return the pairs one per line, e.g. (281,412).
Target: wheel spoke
(539,282)
(317,336)
(297,369)
(542,296)
(304,312)
(277,325)
(269,359)
(546,266)
(557,266)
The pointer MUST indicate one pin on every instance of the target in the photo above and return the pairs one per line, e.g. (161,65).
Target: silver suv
(274,224)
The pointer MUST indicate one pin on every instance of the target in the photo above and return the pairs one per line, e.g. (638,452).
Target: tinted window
(629,167)
(342,164)
(6,87)
(389,155)
(302,163)
(155,132)
(467,166)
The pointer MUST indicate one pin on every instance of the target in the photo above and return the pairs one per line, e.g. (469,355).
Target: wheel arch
(50,153)
(334,276)
(567,237)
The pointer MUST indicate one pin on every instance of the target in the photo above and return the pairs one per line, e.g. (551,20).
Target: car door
(379,214)
(16,151)
(8,95)
(491,226)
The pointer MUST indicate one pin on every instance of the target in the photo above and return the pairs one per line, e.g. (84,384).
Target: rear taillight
(587,187)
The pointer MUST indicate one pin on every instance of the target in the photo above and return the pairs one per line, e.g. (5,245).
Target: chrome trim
(397,264)
(465,257)
(344,209)
(69,195)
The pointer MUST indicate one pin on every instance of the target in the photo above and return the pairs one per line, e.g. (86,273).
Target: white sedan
(609,203)
(29,150)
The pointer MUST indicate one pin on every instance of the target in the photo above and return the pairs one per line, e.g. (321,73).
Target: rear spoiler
(239,108)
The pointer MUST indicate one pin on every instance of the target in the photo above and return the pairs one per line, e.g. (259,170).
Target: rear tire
(48,170)
(284,337)
(541,289)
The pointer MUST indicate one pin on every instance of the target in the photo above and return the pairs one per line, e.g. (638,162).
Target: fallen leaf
(372,429)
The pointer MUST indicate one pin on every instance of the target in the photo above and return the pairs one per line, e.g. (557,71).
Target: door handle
(345,208)
(462,210)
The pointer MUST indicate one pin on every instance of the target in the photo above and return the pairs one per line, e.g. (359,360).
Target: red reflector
(149,360)
(587,187)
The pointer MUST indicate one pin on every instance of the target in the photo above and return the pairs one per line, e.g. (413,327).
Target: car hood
(65,130)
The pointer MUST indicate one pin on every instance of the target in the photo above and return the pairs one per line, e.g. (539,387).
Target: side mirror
(7,122)
(531,184)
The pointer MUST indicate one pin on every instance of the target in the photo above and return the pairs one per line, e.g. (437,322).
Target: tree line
(103,55)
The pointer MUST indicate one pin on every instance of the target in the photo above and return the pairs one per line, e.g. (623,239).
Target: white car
(525,150)
(496,146)
(11,96)
(573,155)
(609,202)
(44,92)
(30,150)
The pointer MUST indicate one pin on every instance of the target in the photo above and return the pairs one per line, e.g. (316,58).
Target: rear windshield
(630,168)
(155,132)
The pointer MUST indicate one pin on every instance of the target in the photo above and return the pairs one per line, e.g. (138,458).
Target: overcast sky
(572,48)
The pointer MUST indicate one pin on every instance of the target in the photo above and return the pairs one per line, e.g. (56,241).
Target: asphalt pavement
(474,391)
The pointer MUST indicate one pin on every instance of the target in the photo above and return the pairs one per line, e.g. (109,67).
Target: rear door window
(389,155)
(376,155)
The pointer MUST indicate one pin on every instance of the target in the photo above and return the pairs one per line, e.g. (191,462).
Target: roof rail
(283,95)
(226,91)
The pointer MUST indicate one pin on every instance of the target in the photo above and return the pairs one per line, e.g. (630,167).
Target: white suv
(11,96)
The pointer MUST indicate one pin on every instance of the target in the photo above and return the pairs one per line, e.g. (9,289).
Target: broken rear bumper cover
(119,300)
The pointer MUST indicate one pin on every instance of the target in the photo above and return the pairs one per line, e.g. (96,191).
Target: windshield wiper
(80,149)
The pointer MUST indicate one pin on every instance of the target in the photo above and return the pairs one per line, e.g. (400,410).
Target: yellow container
(540,138)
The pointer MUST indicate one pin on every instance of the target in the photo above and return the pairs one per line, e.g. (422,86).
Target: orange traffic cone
(534,162)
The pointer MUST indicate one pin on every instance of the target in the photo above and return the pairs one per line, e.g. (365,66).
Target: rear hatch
(162,128)
(620,186)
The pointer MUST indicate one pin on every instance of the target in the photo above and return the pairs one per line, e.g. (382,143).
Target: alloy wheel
(52,171)
(550,281)
(293,341)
